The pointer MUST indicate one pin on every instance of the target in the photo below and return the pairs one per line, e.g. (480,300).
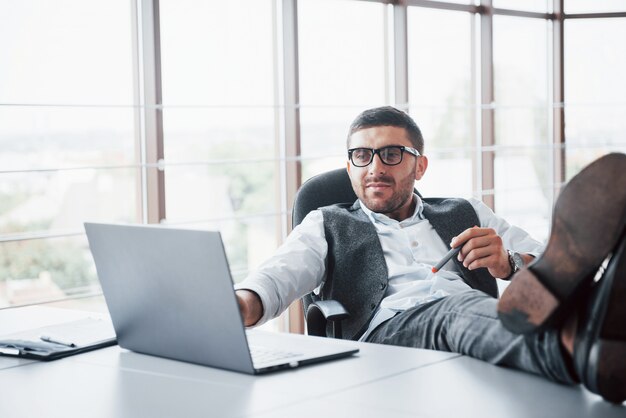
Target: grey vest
(356,273)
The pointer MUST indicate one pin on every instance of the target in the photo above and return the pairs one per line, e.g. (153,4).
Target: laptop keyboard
(261,355)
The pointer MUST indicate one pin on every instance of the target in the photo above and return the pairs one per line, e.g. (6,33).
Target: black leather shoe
(600,344)
(589,217)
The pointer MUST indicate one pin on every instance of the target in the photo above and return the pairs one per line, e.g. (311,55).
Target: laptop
(170,294)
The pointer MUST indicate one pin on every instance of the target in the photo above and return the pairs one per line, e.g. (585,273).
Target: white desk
(379,381)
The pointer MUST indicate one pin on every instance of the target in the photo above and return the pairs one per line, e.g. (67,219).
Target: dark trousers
(467,323)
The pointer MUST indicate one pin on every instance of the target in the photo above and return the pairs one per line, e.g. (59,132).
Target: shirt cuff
(264,301)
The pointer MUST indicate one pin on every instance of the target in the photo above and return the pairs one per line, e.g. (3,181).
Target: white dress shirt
(411,248)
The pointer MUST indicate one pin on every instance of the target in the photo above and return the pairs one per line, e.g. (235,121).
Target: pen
(446,258)
(49,339)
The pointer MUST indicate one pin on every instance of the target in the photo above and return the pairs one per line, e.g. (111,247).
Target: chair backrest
(322,190)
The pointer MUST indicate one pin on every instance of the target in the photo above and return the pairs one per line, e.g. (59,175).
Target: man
(376,255)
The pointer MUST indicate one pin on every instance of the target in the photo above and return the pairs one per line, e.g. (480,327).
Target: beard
(402,192)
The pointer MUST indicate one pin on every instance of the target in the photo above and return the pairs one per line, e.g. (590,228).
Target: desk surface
(379,381)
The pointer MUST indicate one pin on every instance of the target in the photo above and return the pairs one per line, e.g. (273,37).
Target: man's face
(383,188)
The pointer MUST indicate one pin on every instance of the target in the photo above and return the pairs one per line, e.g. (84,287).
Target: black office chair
(334,187)
(322,190)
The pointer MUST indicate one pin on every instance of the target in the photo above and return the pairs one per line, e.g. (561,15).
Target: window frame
(149,137)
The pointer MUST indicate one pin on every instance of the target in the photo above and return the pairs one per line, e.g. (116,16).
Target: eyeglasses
(391,155)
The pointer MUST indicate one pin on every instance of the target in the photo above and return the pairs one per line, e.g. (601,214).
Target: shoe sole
(585,228)
(605,371)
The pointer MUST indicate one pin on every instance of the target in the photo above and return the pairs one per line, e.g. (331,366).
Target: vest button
(383,285)
(373,306)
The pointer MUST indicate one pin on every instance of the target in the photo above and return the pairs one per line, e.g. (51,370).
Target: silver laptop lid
(167,294)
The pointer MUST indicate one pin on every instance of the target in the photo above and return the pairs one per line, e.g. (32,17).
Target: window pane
(220,191)
(68,140)
(445,128)
(521,80)
(44,269)
(532,218)
(520,62)
(595,108)
(218,134)
(60,201)
(542,6)
(523,188)
(522,125)
(341,52)
(66,52)
(342,72)
(248,242)
(314,166)
(38,137)
(595,125)
(460,1)
(596,6)
(220,118)
(217,52)
(233,67)
(579,157)
(523,173)
(53,139)
(325,131)
(449,174)
(439,57)
(440,96)
(595,61)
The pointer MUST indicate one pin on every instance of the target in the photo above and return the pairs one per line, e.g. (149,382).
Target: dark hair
(388,116)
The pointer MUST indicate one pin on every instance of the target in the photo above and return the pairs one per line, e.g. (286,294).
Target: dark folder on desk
(58,341)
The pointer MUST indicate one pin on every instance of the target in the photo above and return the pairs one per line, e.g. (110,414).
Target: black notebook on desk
(57,341)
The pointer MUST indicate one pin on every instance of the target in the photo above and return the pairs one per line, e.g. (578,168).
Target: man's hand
(250,306)
(482,247)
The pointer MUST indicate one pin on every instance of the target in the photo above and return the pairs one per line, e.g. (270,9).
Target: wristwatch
(515,261)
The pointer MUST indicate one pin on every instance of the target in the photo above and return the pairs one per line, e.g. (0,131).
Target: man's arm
(295,269)
(486,246)
(250,306)
(483,247)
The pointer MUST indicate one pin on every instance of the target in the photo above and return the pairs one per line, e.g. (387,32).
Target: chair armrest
(320,312)
(332,310)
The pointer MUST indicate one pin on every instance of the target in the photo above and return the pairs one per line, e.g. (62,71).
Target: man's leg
(467,323)
(588,225)
(600,340)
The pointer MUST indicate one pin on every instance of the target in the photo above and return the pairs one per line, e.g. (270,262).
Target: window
(68,141)
(343,71)
(596,6)
(441,98)
(525,5)
(595,108)
(219,121)
(256,96)
(523,158)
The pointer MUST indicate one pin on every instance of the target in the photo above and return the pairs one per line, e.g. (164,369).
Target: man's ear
(420,167)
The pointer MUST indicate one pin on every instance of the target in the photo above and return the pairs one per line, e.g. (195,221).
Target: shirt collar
(384,219)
